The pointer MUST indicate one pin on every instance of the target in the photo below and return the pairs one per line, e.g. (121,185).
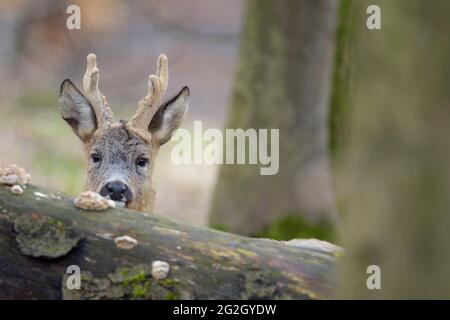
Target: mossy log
(42,233)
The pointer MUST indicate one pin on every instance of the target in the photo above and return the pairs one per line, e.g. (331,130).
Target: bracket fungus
(125,242)
(16,189)
(315,244)
(15,176)
(160,269)
(92,201)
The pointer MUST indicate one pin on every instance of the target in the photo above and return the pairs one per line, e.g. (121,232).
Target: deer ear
(169,117)
(76,110)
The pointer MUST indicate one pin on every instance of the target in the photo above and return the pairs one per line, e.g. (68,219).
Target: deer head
(121,154)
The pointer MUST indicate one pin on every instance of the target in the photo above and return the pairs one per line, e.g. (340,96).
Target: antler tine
(163,72)
(149,105)
(98,101)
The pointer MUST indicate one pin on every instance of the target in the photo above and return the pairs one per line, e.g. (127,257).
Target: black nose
(117,191)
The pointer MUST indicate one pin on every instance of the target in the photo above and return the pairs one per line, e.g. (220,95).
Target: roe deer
(121,155)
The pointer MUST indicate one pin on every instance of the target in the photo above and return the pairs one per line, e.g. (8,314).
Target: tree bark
(282,82)
(393,176)
(42,233)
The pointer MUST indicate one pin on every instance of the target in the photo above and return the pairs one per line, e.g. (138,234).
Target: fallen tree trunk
(42,233)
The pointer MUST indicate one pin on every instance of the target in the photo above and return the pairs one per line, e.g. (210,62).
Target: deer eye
(96,158)
(142,162)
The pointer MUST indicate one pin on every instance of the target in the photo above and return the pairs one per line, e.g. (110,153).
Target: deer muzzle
(117,191)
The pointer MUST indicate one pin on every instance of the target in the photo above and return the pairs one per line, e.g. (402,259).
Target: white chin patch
(120,204)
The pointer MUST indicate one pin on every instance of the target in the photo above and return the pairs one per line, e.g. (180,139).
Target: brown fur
(120,149)
(121,145)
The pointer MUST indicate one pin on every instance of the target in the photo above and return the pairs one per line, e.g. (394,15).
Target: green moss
(137,278)
(137,283)
(167,282)
(220,227)
(291,227)
(141,290)
(171,296)
(131,282)
(340,103)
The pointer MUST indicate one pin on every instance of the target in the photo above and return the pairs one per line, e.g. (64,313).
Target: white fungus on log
(125,242)
(13,174)
(160,269)
(314,244)
(16,189)
(89,200)
(40,195)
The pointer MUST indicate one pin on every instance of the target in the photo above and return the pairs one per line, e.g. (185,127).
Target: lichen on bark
(133,282)
(40,236)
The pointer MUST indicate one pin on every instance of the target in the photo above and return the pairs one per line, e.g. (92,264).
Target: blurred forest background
(363,117)
(37,52)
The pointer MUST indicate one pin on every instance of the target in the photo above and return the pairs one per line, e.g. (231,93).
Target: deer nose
(117,191)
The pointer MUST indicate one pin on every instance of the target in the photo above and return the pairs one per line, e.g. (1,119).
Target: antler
(92,92)
(149,105)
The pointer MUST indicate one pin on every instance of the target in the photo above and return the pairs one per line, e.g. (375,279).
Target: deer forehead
(119,141)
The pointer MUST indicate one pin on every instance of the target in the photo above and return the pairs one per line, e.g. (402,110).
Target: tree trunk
(42,233)
(282,82)
(393,174)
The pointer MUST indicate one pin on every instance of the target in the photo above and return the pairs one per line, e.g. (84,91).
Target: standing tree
(393,175)
(283,82)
